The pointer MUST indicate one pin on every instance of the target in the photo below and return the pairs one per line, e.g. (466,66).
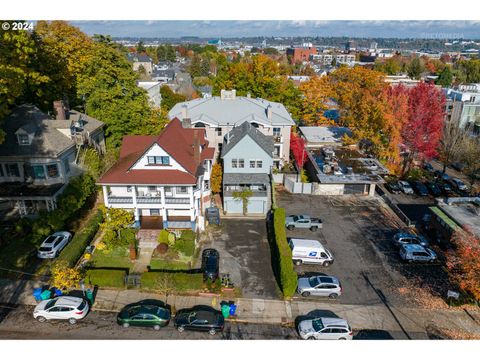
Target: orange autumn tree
(317,93)
(463,262)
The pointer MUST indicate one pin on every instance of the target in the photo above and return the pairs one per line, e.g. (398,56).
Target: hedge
(106,277)
(287,275)
(75,249)
(176,281)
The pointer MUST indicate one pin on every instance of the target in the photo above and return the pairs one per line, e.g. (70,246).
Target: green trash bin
(46,294)
(226,311)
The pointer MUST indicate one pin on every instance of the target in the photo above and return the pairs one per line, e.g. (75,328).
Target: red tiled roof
(175,140)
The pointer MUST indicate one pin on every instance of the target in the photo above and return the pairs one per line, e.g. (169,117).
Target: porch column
(105,195)
(163,210)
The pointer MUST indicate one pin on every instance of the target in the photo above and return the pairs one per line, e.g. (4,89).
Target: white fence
(296,187)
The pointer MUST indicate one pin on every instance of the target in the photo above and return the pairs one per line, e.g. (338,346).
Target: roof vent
(228,94)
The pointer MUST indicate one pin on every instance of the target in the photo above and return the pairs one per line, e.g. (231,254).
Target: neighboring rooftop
(229,109)
(245,178)
(345,165)
(464,211)
(50,137)
(324,135)
(138,58)
(233,137)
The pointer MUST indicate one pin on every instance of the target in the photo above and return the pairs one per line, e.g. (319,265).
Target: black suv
(210,264)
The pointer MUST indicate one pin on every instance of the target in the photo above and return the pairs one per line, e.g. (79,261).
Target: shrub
(128,237)
(185,246)
(74,250)
(171,239)
(178,281)
(106,278)
(162,248)
(188,235)
(415,174)
(163,236)
(287,275)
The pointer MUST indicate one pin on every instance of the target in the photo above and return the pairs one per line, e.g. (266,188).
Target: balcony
(149,200)
(120,199)
(170,200)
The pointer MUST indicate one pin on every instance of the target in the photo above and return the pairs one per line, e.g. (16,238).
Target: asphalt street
(19,324)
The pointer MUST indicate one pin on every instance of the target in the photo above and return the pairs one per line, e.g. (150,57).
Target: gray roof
(324,134)
(245,178)
(138,58)
(51,137)
(215,111)
(464,211)
(239,132)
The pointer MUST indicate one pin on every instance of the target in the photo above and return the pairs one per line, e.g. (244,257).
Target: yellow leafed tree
(64,277)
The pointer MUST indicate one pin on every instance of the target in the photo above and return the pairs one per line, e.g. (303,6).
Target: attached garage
(255,206)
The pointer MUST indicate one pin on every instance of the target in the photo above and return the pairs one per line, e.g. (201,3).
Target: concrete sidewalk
(372,317)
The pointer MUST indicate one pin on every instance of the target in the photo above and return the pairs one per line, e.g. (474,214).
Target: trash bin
(37,294)
(233,308)
(58,292)
(225,311)
(46,294)
(89,295)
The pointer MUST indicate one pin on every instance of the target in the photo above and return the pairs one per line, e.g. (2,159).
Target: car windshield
(313,281)
(317,324)
(295,218)
(50,239)
(50,304)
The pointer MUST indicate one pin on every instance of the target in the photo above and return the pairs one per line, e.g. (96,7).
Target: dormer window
(158,160)
(23,139)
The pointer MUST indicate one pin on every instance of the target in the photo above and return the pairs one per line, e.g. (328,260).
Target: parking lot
(245,255)
(358,231)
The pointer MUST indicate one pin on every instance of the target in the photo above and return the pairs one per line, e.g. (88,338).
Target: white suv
(53,244)
(319,286)
(325,329)
(417,253)
(61,308)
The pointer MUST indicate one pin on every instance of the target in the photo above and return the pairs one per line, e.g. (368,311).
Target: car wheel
(342,339)
(327,263)
(156,327)
(72,321)
(306,294)
(314,228)
(126,325)
(41,319)
(56,254)
(290,227)
(333,296)
(180,329)
(311,338)
(212,331)
(298,262)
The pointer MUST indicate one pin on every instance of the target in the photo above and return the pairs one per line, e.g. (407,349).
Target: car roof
(328,279)
(206,315)
(68,301)
(306,243)
(331,321)
(403,182)
(50,240)
(413,247)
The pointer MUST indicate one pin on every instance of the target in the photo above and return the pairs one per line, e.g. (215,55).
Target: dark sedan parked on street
(148,313)
(434,189)
(199,318)
(419,188)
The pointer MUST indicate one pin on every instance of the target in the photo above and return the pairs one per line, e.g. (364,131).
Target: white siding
(156,150)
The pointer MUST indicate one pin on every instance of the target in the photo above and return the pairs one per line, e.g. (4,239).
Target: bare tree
(453,140)
(471,158)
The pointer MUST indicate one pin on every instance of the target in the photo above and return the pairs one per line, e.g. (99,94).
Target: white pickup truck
(306,251)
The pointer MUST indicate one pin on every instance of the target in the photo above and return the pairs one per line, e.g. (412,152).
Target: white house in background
(39,155)
(153,90)
(220,114)
(164,179)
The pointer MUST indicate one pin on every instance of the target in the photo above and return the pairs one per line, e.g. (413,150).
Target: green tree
(415,68)
(116,219)
(141,47)
(169,98)
(445,77)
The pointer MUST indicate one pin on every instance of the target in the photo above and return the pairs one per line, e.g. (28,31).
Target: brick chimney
(196,148)
(59,109)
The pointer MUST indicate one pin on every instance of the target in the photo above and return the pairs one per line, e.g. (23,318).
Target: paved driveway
(245,255)
(358,232)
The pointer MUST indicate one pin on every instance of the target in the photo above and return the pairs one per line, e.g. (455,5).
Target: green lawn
(116,258)
(161,264)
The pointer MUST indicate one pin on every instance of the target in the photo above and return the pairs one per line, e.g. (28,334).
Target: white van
(306,251)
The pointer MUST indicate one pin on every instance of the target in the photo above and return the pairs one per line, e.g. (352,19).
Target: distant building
(463,105)
(163,76)
(301,54)
(328,59)
(350,46)
(138,60)
(40,155)
(318,136)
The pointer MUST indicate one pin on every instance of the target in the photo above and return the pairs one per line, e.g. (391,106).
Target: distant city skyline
(435,29)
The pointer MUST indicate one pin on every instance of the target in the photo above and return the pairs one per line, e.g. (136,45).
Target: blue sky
(213,29)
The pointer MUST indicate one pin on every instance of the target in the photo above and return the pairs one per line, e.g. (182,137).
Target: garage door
(233,207)
(256,206)
(357,189)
